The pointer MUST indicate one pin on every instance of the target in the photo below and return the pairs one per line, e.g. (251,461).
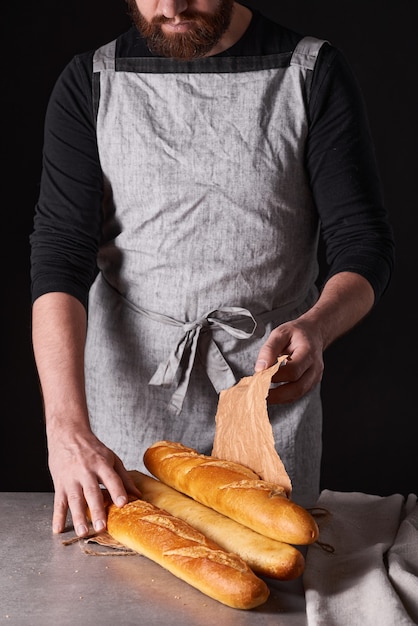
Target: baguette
(232,490)
(264,556)
(186,553)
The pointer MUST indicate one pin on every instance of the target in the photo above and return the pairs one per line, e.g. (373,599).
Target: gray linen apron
(209,241)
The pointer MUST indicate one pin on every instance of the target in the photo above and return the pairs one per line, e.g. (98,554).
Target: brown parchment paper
(102,539)
(243,431)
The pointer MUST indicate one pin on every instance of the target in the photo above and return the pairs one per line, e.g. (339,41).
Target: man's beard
(205,31)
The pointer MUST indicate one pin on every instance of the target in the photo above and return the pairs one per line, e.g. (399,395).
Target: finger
(127,481)
(130,486)
(78,508)
(287,372)
(96,508)
(269,352)
(59,516)
(112,480)
(286,392)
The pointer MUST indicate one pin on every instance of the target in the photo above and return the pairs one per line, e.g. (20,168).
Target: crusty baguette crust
(232,490)
(264,556)
(186,553)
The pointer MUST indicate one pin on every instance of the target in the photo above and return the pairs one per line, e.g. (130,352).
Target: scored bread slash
(243,430)
(265,556)
(233,490)
(187,553)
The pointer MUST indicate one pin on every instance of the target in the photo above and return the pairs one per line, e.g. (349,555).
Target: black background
(370,383)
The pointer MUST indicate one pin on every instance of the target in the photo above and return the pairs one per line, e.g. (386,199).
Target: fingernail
(260,365)
(82,530)
(99,525)
(56,528)
(121,501)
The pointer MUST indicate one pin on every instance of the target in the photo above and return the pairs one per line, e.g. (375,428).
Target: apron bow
(197,340)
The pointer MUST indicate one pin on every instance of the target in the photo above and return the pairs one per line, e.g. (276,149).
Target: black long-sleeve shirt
(340,161)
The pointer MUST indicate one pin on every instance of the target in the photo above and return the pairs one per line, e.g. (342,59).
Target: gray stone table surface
(44,582)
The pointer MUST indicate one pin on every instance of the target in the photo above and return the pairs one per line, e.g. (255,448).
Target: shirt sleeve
(356,234)
(67,222)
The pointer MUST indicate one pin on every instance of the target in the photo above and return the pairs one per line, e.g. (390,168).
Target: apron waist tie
(197,340)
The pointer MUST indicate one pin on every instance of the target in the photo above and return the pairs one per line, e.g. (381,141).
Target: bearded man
(190,167)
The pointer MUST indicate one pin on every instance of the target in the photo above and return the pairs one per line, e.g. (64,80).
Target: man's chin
(195,35)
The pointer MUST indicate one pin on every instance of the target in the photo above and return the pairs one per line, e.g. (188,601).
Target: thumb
(275,345)
(266,357)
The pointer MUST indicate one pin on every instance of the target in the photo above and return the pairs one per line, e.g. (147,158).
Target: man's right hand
(78,461)
(79,465)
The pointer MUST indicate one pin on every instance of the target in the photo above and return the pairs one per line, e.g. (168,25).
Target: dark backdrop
(370,380)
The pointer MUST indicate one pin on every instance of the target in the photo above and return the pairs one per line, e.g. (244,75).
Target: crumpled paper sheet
(243,431)
(102,539)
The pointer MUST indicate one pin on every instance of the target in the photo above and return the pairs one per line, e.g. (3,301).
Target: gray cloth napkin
(366,573)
